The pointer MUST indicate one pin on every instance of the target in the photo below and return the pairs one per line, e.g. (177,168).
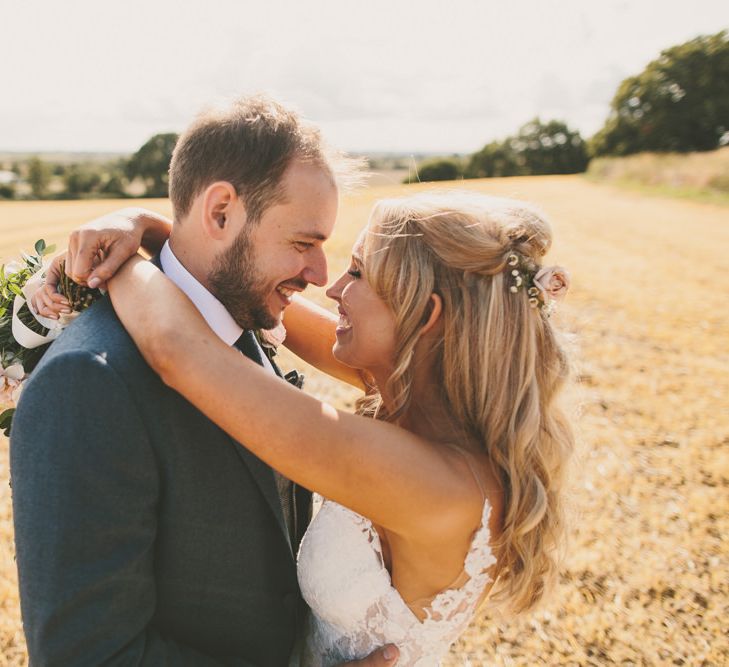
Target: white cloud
(402,75)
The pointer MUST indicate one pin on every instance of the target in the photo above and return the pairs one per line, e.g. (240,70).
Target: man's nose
(316,268)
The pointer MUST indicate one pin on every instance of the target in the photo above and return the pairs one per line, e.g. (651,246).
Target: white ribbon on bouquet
(26,336)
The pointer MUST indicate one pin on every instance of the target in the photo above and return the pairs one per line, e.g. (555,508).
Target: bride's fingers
(49,303)
(84,245)
(42,307)
(109,264)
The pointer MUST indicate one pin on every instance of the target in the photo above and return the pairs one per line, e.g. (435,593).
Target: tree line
(144,174)
(678,103)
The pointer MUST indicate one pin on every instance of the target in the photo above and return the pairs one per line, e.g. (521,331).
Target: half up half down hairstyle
(499,362)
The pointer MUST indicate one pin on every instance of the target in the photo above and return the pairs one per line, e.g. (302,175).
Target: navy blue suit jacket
(145,535)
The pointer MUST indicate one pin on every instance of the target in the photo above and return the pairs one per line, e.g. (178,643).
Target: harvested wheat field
(646,580)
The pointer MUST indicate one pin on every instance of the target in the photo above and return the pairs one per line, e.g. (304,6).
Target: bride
(447,486)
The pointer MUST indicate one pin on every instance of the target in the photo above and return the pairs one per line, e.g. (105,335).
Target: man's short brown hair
(250,144)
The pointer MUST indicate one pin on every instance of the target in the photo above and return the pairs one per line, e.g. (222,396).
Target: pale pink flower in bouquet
(11,380)
(12,267)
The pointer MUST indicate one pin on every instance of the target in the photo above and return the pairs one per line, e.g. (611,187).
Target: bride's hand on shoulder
(46,300)
(96,250)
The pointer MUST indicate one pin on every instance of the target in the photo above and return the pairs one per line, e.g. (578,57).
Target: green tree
(39,177)
(548,148)
(7,191)
(80,179)
(492,161)
(437,170)
(151,163)
(538,148)
(679,102)
(115,179)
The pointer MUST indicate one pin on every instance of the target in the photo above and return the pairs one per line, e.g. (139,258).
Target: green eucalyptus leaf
(6,420)
(50,249)
(40,246)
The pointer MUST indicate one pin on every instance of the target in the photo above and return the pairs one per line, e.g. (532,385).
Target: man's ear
(432,313)
(219,200)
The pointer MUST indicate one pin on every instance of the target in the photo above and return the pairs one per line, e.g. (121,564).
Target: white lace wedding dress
(354,607)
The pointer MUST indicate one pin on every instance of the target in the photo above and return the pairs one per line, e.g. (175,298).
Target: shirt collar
(214,312)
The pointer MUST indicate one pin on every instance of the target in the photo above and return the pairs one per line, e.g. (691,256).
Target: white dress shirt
(214,312)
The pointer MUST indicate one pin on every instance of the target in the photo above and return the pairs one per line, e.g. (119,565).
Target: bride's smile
(366,327)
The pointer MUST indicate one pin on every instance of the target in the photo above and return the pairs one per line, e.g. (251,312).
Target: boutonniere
(270,339)
(24,334)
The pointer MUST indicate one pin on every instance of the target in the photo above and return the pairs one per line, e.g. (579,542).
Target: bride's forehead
(358,247)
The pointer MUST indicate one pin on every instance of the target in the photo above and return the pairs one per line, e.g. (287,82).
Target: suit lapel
(260,471)
(263,476)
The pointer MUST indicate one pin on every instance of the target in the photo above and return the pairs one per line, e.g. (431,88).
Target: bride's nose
(334,291)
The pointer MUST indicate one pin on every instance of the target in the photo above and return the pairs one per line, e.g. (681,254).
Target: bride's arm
(379,470)
(97,250)
(310,335)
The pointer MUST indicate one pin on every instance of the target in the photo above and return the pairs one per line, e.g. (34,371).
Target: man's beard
(239,287)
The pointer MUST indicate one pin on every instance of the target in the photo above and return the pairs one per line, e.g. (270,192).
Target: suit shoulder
(98,332)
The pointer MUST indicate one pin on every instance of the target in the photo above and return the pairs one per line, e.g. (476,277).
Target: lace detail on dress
(354,607)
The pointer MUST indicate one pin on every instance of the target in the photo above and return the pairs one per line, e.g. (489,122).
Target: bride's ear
(432,314)
(218,202)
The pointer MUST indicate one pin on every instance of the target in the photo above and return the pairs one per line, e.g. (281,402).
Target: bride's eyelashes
(355,273)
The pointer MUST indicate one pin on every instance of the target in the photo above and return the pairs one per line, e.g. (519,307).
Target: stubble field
(646,581)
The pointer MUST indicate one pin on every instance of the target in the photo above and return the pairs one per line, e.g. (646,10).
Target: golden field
(646,581)
(702,176)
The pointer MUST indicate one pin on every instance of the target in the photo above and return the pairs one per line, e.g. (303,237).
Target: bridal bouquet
(24,334)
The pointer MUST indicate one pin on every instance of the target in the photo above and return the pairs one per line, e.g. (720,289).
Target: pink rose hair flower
(553,282)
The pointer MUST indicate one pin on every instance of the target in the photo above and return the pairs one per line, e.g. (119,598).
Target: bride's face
(366,328)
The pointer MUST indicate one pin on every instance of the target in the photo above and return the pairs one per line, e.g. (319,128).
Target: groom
(145,535)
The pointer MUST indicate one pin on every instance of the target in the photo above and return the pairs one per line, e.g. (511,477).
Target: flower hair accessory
(545,286)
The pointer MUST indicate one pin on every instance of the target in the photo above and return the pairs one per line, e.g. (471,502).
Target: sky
(376,75)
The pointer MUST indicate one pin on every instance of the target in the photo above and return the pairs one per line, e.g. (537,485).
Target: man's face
(281,254)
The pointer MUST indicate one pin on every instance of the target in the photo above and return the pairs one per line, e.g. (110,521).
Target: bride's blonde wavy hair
(499,361)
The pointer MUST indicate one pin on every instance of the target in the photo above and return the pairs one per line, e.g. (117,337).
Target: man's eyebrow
(314,236)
